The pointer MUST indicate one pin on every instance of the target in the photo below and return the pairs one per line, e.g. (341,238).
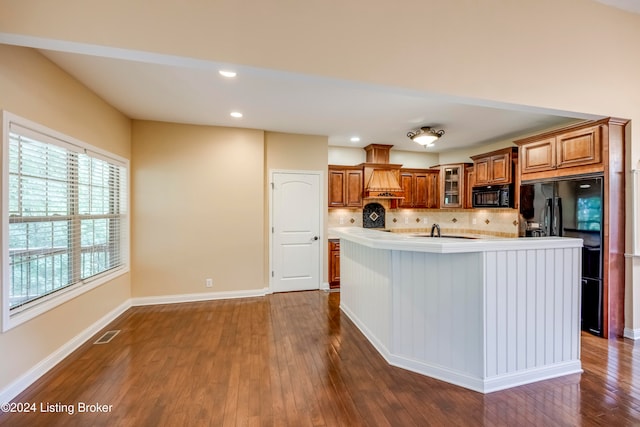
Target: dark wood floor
(294,360)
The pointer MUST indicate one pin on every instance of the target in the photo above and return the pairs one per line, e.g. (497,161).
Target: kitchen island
(485,314)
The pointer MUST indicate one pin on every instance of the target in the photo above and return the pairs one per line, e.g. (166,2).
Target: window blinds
(67,215)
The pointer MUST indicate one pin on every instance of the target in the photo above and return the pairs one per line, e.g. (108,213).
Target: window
(589,213)
(65,219)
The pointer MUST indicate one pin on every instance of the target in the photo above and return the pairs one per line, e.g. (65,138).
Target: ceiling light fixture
(236,114)
(227,73)
(355,139)
(425,135)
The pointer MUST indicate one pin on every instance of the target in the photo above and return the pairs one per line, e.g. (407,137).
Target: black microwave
(492,196)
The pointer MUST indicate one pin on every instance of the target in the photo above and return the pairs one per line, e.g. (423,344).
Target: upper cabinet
(592,147)
(494,168)
(345,186)
(570,151)
(452,185)
(469,182)
(420,188)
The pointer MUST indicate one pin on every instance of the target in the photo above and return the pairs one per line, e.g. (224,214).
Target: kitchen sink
(445,235)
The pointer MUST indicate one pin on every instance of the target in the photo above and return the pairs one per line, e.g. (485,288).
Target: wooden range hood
(382,179)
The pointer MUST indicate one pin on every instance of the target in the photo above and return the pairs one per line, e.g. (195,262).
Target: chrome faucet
(435,227)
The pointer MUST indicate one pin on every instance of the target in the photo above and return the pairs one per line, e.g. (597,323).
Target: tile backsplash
(491,222)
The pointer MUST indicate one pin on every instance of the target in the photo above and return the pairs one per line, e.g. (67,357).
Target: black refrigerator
(572,208)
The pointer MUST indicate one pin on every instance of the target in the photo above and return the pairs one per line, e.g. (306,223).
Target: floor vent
(107,337)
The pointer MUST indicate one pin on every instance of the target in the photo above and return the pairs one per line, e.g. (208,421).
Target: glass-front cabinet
(452,185)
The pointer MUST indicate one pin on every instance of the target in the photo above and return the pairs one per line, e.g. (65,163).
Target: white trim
(42,367)
(49,302)
(632,334)
(46,364)
(60,138)
(369,335)
(205,296)
(487,385)
(4,251)
(12,319)
(501,382)
(415,243)
(321,185)
(634,211)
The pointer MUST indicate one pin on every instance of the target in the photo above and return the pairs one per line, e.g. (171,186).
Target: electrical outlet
(341,220)
(473,221)
(424,220)
(406,220)
(208,283)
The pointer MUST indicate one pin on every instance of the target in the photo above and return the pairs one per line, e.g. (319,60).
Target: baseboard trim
(205,296)
(632,334)
(373,339)
(463,379)
(46,364)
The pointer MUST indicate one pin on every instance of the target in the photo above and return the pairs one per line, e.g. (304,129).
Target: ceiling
(628,5)
(182,90)
(186,90)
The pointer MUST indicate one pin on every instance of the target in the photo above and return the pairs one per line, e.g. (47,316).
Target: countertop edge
(407,242)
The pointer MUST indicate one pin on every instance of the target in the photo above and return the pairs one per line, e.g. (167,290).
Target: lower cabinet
(334,263)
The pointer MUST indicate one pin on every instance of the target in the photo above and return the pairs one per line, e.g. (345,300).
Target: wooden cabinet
(538,156)
(452,185)
(570,151)
(334,263)
(420,188)
(495,168)
(433,189)
(578,148)
(345,186)
(594,147)
(469,182)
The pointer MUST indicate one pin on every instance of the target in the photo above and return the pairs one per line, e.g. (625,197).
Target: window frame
(32,309)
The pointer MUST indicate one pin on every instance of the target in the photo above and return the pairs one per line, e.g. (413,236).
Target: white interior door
(296,244)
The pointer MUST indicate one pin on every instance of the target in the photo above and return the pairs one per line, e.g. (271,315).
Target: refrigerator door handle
(546,218)
(557,217)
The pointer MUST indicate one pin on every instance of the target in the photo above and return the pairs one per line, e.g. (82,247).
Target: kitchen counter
(486,314)
(420,242)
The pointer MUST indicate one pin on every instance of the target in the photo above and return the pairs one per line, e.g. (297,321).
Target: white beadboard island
(485,314)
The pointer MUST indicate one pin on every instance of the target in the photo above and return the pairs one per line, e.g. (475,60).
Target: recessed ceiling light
(355,139)
(236,114)
(227,73)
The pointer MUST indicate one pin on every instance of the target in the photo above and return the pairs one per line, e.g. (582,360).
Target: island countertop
(421,242)
(484,313)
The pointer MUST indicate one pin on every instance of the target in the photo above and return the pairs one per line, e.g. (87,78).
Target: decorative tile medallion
(373,216)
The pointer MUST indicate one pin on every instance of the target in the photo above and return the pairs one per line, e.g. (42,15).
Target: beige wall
(296,152)
(287,151)
(349,156)
(198,209)
(570,55)
(34,88)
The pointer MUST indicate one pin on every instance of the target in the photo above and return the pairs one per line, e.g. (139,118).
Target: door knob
(315,238)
